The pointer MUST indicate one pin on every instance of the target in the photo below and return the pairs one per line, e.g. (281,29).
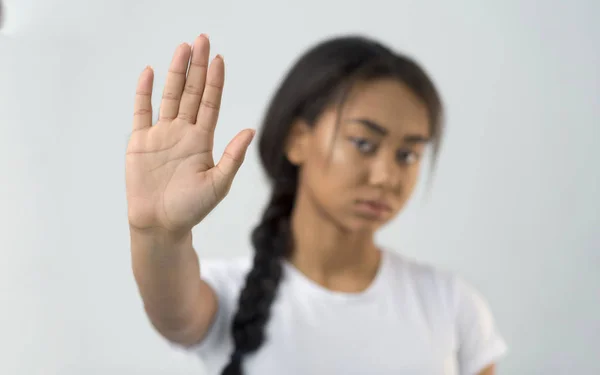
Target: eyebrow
(373,126)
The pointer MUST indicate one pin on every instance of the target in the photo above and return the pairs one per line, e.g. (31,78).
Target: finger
(196,78)
(208,114)
(142,107)
(169,105)
(234,154)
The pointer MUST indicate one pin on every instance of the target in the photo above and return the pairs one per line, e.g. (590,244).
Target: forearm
(166,270)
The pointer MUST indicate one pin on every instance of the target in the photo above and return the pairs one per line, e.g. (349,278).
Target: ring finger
(169,106)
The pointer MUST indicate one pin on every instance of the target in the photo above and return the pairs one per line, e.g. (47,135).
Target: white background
(513,207)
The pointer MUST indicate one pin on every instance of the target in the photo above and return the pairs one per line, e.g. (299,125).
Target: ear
(296,146)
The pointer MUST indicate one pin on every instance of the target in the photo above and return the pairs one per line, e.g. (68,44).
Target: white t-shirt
(413,319)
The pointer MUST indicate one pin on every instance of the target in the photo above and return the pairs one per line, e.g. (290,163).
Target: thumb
(235,152)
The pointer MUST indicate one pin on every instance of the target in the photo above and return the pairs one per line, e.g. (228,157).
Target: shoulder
(479,342)
(458,295)
(225,275)
(423,278)
(230,266)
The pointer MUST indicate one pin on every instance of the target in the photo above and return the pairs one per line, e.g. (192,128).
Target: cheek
(409,183)
(339,162)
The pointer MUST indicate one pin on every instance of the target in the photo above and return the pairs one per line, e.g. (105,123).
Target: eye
(408,157)
(363,145)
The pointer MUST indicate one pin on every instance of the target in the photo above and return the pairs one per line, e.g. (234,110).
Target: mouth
(375,209)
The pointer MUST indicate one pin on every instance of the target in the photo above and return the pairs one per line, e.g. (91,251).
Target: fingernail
(205,35)
(219,56)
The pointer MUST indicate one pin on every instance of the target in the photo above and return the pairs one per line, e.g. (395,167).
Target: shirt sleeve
(479,342)
(225,277)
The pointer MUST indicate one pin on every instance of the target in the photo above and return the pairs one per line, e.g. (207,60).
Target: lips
(375,209)
(377,205)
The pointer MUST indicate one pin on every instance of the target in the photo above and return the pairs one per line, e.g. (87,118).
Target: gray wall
(512,207)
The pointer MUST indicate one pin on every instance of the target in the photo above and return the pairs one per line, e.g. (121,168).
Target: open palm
(171,177)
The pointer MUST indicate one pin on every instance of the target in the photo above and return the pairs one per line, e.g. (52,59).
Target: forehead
(389,103)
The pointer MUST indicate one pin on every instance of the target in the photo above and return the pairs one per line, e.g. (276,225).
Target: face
(362,170)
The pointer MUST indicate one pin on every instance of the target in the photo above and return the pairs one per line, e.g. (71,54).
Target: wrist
(160,237)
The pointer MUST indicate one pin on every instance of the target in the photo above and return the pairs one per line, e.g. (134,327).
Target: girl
(342,144)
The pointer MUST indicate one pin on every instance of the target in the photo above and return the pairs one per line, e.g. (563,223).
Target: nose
(384,172)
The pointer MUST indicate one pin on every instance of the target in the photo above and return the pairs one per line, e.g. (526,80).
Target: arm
(172,184)
(178,303)
(480,343)
(490,370)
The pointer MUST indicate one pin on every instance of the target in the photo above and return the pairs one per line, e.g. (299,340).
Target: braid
(271,240)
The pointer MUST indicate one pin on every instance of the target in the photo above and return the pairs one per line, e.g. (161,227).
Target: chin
(359,224)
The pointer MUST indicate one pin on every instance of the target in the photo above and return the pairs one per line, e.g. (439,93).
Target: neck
(323,250)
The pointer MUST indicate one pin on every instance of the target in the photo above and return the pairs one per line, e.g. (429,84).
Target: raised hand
(172,180)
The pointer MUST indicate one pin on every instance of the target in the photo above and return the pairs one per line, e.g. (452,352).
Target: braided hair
(321,78)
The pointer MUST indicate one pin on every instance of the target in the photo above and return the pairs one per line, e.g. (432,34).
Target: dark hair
(322,77)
